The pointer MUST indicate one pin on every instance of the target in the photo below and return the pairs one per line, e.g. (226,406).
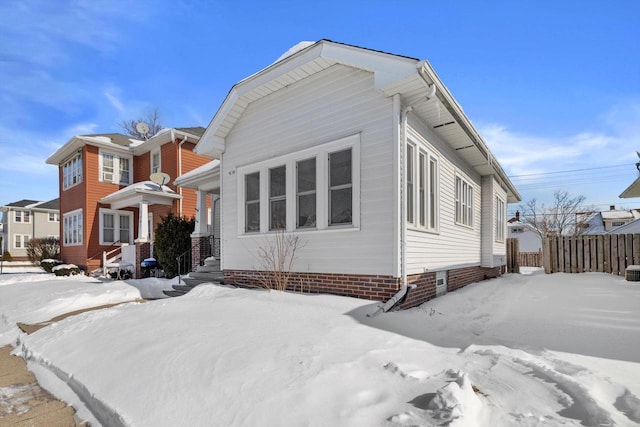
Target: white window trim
(22,216)
(116,167)
(500,219)
(151,154)
(68,177)
(56,217)
(321,153)
(22,240)
(471,220)
(116,225)
(418,150)
(78,213)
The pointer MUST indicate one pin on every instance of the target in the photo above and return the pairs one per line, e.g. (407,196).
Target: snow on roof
(207,167)
(632,227)
(295,49)
(617,214)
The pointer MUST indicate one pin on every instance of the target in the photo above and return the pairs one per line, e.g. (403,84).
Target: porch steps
(207,273)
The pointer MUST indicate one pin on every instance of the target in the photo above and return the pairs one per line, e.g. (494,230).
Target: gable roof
(25,203)
(632,191)
(415,81)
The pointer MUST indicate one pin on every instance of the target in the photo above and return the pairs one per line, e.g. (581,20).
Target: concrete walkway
(22,401)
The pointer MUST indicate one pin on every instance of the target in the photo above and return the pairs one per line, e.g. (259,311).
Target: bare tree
(276,256)
(152,120)
(567,215)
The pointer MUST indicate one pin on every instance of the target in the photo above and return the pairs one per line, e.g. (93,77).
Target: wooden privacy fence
(604,253)
(516,259)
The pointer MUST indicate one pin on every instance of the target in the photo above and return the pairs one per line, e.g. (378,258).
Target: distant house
(529,239)
(607,221)
(25,220)
(368,158)
(632,227)
(107,197)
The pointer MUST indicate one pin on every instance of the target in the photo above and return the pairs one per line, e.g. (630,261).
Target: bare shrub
(277,254)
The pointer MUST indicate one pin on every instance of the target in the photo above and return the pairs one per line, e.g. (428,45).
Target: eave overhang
(632,191)
(413,79)
(203,178)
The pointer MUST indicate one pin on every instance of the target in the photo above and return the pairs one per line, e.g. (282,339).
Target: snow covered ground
(524,350)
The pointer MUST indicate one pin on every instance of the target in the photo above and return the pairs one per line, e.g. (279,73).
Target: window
(277,198)
(115,227)
(155,161)
(517,230)
(422,188)
(313,189)
(115,169)
(617,223)
(306,193)
(500,216)
(22,216)
(464,202)
(410,180)
(340,196)
(54,217)
(72,228)
(72,172)
(252,202)
(21,240)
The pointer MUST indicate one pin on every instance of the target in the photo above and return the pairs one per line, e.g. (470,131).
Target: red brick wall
(372,287)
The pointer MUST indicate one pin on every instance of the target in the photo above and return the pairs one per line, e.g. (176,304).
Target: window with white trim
(306,193)
(422,188)
(155,161)
(277,198)
(500,217)
(464,202)
(23,217)
(115,226)
(54,217)
(340,186)
(252,202)
(72,171)
(72,228)
(20,240)
(410,180)
(315,189)
(115,168)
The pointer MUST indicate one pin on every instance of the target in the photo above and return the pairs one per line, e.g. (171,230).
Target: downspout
(395,299)
(180,167)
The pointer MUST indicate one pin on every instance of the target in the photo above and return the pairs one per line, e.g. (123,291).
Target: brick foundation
(200,250)
(143,251)
(371,287)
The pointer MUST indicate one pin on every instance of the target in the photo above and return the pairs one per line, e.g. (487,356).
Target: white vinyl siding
(452,245)
(72,171)
(115,226)
(72,228)
(115,168)
(337,105)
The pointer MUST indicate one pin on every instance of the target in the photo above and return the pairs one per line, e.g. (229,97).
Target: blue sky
(553,86)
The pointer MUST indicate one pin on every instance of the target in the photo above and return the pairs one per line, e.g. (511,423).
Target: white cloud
(114,101)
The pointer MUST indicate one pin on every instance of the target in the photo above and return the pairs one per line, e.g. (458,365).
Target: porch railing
(183,262)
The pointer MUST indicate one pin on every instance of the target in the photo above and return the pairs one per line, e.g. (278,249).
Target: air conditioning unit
(632,273)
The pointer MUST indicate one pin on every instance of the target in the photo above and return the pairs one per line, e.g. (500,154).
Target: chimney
(518,216)
(612,207)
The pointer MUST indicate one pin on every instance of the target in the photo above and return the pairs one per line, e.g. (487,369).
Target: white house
(529,239)
(368,158)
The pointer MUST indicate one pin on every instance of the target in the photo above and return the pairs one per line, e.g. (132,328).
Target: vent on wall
(633,273)
(441,283)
